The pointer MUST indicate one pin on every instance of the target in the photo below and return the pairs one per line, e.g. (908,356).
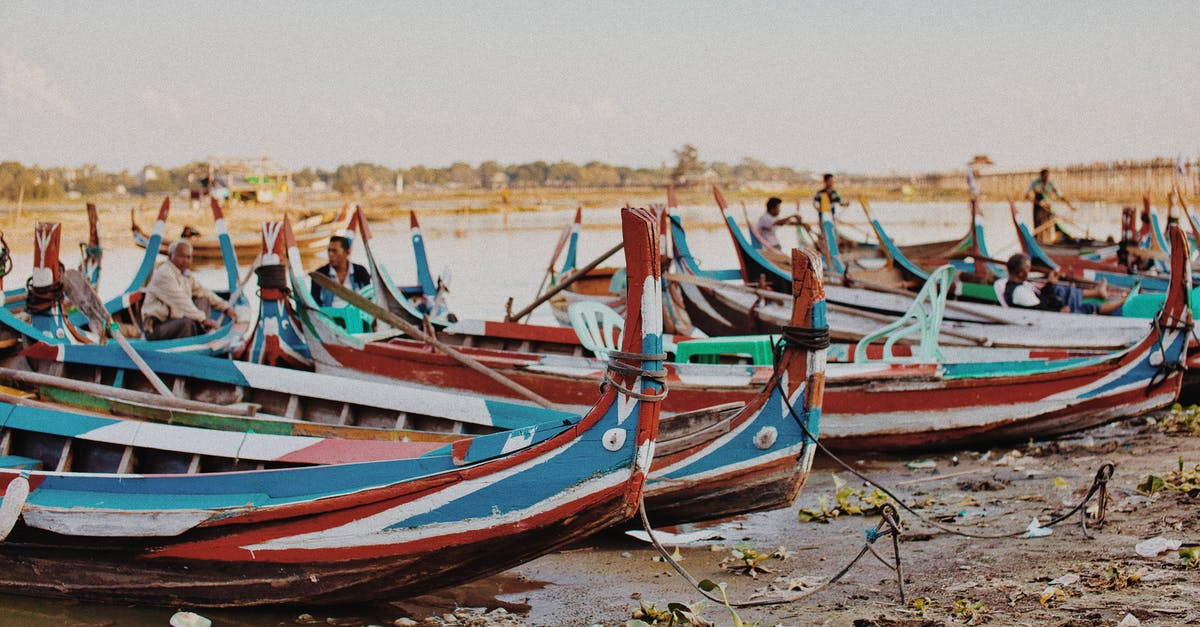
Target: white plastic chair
(1000,286)
(599,328)
(923,320)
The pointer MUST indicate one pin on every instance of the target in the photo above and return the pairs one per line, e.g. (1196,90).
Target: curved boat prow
(276,339)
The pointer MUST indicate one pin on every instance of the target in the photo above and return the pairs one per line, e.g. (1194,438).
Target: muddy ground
(999,581)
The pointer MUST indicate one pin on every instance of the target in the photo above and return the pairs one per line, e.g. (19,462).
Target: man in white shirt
(169,310)
(1053,296)
(764,229)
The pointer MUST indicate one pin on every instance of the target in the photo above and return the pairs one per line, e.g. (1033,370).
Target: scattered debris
(189,619)
(1156,546)
(666,538)
(1182,480)
(1036,530)
(1116,577)
(850,501)
(971,612)
(1179,420)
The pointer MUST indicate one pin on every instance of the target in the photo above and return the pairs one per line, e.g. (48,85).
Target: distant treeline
(37,183)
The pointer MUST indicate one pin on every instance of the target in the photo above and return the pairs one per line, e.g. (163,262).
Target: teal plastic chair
(599,328)
(923,319)
(351,318)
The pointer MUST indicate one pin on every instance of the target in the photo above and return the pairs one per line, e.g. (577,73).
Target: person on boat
(175,304)
(764,229)
(352,275)
(1053,296)
(827,190)
(1040,191)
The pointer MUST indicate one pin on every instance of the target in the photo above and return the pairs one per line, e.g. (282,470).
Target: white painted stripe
(397,395)
(113,523)
(371,530)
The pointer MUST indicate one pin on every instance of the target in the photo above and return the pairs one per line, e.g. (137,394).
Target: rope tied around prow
(1168,367)
(801,338)
(43,298)
(618,362)
(272,277)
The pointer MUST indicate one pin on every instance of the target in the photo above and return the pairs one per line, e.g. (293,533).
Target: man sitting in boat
(175,303)
(1053,296)
(352,275)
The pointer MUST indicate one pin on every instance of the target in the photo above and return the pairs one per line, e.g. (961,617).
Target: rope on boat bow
(6,262)
(617,363)
(801,338)
(40,299)
(1168,368)
(272,277)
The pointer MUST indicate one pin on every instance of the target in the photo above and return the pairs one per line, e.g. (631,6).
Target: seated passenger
(176,305)
(1053,296)
(352,275)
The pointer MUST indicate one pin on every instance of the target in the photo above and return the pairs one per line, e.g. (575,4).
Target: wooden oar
(776,296)
(133,396)
(579,274)
(381,313)
(951,305)
(85,298)
(562,242)
(246,279)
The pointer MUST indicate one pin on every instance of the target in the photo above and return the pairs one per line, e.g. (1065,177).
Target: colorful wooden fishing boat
(90,260)
(47,317)
(687,439)
(747,300)
(968,403)
(312,235)
(325,533)
(712,463)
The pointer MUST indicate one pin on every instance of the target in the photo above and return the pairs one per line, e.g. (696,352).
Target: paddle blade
(80,291)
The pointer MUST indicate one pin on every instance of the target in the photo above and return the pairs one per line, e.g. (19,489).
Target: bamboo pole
(579,274)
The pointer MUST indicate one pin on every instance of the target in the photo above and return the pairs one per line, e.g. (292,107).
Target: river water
(487,262)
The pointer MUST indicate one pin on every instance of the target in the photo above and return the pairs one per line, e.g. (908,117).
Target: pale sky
(843,86)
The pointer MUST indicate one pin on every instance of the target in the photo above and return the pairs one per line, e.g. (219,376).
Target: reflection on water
(486,264)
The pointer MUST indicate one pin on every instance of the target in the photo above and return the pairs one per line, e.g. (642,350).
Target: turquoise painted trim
(898,257)
(424,277)
(986,370)
(835,256)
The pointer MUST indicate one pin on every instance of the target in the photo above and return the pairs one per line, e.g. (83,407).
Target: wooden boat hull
(103,525)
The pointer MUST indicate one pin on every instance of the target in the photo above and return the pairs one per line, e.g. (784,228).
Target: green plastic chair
(351,318)
(599,328)
(759,349)
(923,318)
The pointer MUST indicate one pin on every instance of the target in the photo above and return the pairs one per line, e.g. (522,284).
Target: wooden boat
(90,261)
(106,524)
(712,463)
(312,235)
(747,300)
(1073,265)
(709,464)
(1055,395)
(46,318)
(686,439)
